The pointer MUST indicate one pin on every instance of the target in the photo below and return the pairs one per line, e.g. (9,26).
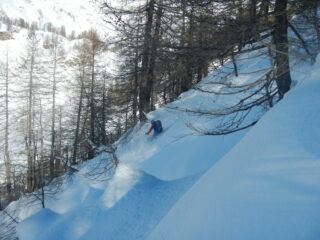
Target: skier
(156,126)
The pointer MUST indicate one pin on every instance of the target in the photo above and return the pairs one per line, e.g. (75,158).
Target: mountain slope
(77,15)
(179,151)
(138,199)
(259,183)
(131,205)
(268,186)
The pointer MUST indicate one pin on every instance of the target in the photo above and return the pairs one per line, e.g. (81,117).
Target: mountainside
(266,183)
(238,158)
(76,16)
(168,165)
(266,187)
(181,151)
(41,85)
(66,79)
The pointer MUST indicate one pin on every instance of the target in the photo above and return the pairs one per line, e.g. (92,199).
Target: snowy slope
(77,15)
(136,200)
(96,213)
(262,183)
(268,186)
(179,152)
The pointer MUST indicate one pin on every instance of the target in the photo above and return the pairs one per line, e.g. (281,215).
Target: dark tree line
(167,46)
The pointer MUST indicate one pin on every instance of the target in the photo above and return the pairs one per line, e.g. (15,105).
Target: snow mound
(132,204)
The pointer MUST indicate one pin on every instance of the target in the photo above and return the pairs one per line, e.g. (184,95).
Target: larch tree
(30,69)
(5,80)
(56,52)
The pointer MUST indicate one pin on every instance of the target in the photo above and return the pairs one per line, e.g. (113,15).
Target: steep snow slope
(268,186)
(134,201)
(179,152)
(131,204)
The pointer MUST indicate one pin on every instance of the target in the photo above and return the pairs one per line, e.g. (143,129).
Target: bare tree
(56,53)
(81,65)
(29,63)
(6,155)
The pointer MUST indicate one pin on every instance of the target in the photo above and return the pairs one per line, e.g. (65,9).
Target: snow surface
(261,183)
(179,152)
(88,212)
(154,173)
(268,186)
(77,15)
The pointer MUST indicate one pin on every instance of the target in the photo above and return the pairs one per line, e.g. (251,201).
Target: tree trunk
(57,166)
(186,83)
(104,108)
(135,80)
(6,135)
(200,58)
(40,176)
(76,137)
(153,54)
(53,134)
(30,150)
(92,109)
(145,92)
(235,67)
(283,77)
(316,24)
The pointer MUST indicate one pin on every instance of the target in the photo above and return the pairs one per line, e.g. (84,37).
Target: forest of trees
(47,27)
(53,110)
(165,47)
(171,45)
